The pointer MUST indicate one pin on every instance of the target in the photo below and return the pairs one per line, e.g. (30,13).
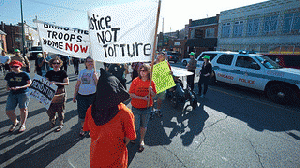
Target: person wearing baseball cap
(24,60)
(191,66)
(205,74)
(17,83)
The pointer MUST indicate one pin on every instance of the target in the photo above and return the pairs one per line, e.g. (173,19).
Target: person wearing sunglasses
(85,90)
(141,102)
(17,84)
(60,78)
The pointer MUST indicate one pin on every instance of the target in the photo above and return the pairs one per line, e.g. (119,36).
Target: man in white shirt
(4,62)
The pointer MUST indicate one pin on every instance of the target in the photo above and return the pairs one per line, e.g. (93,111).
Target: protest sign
(42,90)
(63,40)
(162,78)
(181,72)
(123,33)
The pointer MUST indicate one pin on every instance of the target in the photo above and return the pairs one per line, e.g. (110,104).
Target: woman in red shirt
(141,102)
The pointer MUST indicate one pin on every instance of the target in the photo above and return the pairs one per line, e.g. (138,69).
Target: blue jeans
(14,99)
(83,103)
(142,117)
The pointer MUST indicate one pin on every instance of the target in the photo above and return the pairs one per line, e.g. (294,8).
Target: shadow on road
(175,120)
(44,154)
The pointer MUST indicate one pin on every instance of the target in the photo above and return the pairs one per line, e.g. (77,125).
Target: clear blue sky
(73,13)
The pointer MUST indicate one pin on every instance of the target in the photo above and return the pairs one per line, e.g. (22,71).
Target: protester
(17,83)
(60,78)
(141,102)
(41,64)
(111,124)
(76,65)
(24,60)
(205,73)
(135,67)
(4,62)
(85,90)
(119,71)
(66,62)
(162,95)
(47,59)
(191,66)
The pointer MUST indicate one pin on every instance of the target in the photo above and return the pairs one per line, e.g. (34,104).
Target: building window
(291,23)
(238,29)
(253,26)
(226,30)
(199,33)
(270,24)
(210,33)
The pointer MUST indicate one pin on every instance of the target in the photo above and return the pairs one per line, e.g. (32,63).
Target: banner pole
(154,46)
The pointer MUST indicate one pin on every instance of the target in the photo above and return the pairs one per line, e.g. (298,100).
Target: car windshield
(36,49)
(268,62)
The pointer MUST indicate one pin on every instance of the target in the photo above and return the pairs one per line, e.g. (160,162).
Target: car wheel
(184,63)
(281,94)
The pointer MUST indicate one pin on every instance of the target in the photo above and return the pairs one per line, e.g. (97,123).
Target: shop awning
(209,42)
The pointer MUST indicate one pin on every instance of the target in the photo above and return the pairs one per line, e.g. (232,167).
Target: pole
(154,45)
(23,39)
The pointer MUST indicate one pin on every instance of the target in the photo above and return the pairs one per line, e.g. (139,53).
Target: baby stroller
(179,96)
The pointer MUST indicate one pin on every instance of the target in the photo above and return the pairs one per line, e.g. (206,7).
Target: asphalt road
(231,127)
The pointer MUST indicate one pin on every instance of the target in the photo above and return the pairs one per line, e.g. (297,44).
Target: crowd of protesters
(99,98)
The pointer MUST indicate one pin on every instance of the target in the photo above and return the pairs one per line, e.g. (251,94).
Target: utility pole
(23,39)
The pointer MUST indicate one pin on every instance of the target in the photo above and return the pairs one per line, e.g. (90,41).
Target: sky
(174,14)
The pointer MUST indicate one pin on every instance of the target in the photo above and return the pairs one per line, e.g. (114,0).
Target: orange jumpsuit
(107,147)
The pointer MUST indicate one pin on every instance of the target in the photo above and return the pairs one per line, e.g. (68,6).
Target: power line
(57,6)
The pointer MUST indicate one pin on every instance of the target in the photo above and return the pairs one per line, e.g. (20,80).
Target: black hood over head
(110,93)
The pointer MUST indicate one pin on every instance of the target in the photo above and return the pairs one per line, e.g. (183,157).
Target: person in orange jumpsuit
(111,124)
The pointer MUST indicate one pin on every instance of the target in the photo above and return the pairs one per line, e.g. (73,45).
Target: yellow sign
(162,77)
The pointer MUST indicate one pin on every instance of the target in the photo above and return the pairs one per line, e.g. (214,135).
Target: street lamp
(22,22)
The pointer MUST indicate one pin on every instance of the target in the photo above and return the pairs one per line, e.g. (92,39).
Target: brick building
(3,41)
(14,36)
(202,35)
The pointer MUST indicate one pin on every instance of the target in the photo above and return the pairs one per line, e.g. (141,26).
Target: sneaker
(13,127)
(22,128)
(159,114)
(153,110)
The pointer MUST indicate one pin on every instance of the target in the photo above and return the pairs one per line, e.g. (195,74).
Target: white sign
(42,90)
(63,40)
(181,72)
(123,33)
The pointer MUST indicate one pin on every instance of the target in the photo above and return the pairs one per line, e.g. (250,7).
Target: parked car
(212,54)
(281,85)
(173,56)
(285,60)
(34,51)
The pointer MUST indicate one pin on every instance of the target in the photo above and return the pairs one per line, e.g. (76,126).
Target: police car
(281,85)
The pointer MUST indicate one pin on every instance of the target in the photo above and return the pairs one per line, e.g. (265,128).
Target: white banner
(63,40)
(123,33)
(42,90)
